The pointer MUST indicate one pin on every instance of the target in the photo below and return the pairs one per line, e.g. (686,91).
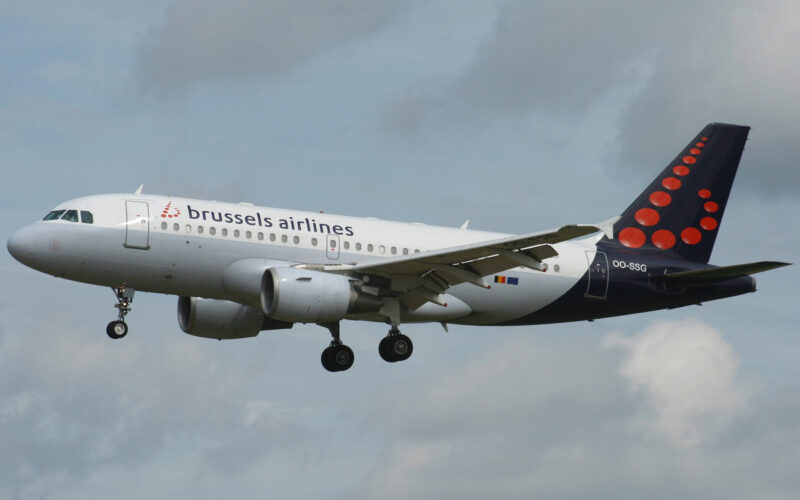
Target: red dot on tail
(695,151)
(700,144)
(704,193)
(680,170)
(660,199)
(691,236)
(663,239)
(689,160)
(710,206)
(631,237)
(671,183)
(708,223)
(647,217)
(704,138)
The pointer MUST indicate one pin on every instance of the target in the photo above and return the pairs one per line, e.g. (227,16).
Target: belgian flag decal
(506,280)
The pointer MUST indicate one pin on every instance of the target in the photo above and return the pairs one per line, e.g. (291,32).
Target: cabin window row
(382,249)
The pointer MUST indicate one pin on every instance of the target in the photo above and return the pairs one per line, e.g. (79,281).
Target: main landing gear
(336,357)
(118,329)
(395,346)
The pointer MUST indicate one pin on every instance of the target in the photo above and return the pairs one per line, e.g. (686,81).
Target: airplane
(239,269)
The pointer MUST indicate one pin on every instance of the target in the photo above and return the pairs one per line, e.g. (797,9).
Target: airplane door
(598,274)
(137,224)
(332,249)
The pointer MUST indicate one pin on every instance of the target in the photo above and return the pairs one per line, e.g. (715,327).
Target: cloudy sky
(516,115)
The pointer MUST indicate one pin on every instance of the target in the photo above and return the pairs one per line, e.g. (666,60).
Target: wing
(422,277)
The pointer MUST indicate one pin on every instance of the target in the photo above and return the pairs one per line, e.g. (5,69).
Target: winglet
(139,189)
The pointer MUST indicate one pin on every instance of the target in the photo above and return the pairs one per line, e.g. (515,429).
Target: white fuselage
(183,246)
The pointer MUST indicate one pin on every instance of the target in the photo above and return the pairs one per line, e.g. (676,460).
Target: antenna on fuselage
(139,189)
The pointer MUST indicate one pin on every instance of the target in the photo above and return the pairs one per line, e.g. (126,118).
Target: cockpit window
(55,214)
(86,217)
(70,216)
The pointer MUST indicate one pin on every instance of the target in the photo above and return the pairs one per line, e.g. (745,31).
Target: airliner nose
(21,245)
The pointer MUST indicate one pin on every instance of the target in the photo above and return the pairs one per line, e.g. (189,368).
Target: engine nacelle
(305,296)
(222,319)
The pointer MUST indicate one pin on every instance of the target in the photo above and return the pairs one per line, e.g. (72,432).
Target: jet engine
(305,296)
(222,319)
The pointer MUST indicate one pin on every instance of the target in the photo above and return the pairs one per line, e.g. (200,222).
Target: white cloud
(658,411)
(687,374)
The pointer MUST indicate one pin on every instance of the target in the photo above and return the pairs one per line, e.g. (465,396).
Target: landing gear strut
(395,346)
(118,329)
(337,357)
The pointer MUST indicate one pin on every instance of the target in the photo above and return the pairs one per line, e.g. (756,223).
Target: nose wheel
(118,329)
(395,347)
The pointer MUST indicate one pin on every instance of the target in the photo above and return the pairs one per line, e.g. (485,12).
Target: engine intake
(301,295)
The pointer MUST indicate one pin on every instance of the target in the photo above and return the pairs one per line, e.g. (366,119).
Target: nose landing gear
(118,329)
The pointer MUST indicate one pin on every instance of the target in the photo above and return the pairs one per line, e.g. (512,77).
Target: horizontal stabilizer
(722,273)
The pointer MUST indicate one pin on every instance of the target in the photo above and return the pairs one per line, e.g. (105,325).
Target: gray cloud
(660,414)
(670,68)
(208,41)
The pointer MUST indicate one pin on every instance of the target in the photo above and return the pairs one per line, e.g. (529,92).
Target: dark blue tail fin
(682,209)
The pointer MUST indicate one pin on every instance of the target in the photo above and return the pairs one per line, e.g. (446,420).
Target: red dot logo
(631,237)
(681,170)
(695,151)
(708,223)
(671,183)
(700,144)
(647,217)
(704,193)
(711,206)
(166,212)
(704,139)
(660,199)
(691,236)
(689,160)
(663,239)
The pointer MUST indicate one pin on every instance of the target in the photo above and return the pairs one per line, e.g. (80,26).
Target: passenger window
(296,240)
(416,250)
(199,229)
(272,237)
(332,243)
(260,236)
(164,225)
(358,246)
(224,231)
(55,214)
(382,249)
(405,251)
(370,247)
(394,250)
(176,227)
(87,217)
(235,233)
(70,216)
(314,241)
(284,238)
(346,245)
(188,228)
(212,230)
(248,235)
